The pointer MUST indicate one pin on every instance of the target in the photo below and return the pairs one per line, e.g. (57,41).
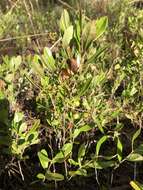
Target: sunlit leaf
(22,127)
(102,164)
(68,34)
(43,157)
(72,162)
(135,136)
(136,186)
(81,152)
(18,117)
(49,61)
(54,176)
(134,157)
(67,148)
(34,127)
(85,87)
(99,143)
(36,65)
(65,20)
(101,26)
(96,54)
(89,34)
(65,151)
(85,128)
(15,62)
(40,176)
(119,149)
(81,172)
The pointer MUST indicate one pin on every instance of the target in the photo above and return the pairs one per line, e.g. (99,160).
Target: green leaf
(23,127)
(68,34)
(89,34)
(65,20)
(81,152)
(85,87)
(135,136)
(102,164)
(81,172)
(65,151)
(99,79)
(67,148)
(96,54)
(15,62)
(54,176)
(18,117)
(99,143)
(77,33)
(34,127)
(101,26)
(133,91)
(37,66)
(85,128)
(119,149)
(40,176)
(72,162)
(76,133)
(117,82)
(48,59)
(136,186)
(43,157)
(134,157)
(93,30)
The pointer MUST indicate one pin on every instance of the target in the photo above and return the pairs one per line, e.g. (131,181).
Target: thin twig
(66,5)
(55,43)
(20,170)
(30,19)
(24,36)
(70,7)
(11,9)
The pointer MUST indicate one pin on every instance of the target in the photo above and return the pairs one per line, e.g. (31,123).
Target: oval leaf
(49,61)
(65,20)
(22,128)
(85,128)
(134,157)
(80,172)
(67,36)
(101,25)
(65,151)
(102,164)
(40,176)
(54,176)
(135,185)
(81,152)
(43,157)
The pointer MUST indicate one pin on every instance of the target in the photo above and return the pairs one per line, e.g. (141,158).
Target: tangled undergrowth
(72,118)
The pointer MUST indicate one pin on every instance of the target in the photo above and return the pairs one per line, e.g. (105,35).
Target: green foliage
(136,185)
(85,101)
(22,136)
(65,20)
(87,98)
(68,34)
(43,157)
